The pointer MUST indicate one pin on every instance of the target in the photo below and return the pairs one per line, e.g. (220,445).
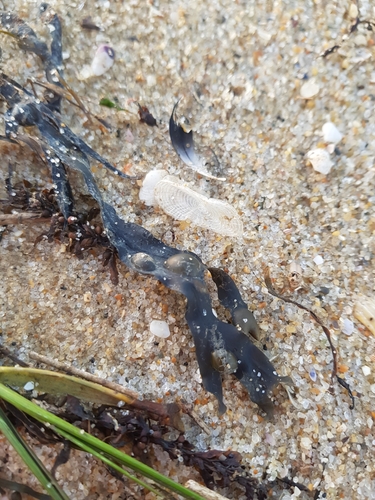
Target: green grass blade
(31,460)
(89,449)
(44,416)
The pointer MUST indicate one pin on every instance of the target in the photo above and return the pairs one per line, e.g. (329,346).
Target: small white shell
(160,328)
(309,89)
(103,60)
(182,203)
(330,133)
(364,311)
(147,191)
(320,160)
(318,259)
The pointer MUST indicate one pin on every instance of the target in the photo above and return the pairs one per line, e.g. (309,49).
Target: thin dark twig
(272,291)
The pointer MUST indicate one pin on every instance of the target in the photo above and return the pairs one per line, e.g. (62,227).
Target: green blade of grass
(89,449)
(44,416)
(31,460)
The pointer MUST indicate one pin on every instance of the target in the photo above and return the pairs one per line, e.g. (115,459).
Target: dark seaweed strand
(342,382)
(231,299)
(183,272)
(27,40)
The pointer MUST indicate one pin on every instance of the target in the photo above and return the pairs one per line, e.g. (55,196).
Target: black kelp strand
(231,299)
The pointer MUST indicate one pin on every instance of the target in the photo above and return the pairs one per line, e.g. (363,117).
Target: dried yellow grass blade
(61,384)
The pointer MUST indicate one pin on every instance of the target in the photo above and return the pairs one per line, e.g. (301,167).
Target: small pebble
(366,370)
(312,374)
(318,260)
(309,89)
(160,328)
(348,327)
(306,443)
(330,133)
(320,160)
(103,60)
(353,11)
(29,386)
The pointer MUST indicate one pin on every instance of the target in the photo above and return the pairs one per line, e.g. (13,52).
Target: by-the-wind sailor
(182,203)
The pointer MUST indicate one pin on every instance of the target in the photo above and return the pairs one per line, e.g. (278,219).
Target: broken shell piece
(364,311)
(147,191)
(160,328)
(330,133)
(320,160)
(103,60)
(309,89)
(295,275)
(182,203)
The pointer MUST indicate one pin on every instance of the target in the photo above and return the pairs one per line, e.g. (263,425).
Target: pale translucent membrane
(147,191)
(182,203)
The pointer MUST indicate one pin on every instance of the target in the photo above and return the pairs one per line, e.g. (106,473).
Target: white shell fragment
(318,259)
(182,203)
(347,327)
(366,370)
(320,160)
(103,60)
(160,328)
(364,311)
(309,89)
(147,191)
(29,386)
(330,133)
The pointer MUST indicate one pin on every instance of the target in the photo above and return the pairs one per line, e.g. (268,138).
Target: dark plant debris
(122,427)
(88,24)
(146,117)
(353,28)
(342,382)
(18,488)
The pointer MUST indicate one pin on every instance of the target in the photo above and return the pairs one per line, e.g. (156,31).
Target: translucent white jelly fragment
(160,328)
(147,191)
(320,160)
(182,203)
(29,386)
(103,60)
(330,133)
